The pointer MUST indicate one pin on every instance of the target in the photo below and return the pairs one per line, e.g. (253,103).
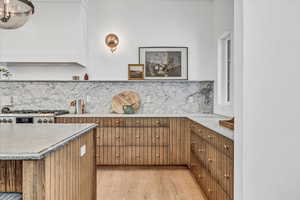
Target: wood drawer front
(131,155)
(226,174)
(147,122)
(198,129)
(110,155)
(209,185)
(133,136)
(222,143)
(216,162)
(111,136)
(220,168)
(147,136)
(228,147)
(198,148)
(147,155)
(206,134)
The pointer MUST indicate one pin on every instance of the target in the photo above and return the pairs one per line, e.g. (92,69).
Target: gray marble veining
(158,97)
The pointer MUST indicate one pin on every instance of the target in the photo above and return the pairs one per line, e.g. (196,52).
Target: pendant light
(15,13)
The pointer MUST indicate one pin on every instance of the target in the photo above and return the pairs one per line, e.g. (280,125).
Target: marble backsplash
(158,97)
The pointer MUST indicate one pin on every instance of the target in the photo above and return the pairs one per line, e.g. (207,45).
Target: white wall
(47,72)
(137,23)
(150,23)
(270,104)
(223,22)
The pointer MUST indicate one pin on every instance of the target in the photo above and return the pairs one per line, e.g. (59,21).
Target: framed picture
(164,62)
(135,72)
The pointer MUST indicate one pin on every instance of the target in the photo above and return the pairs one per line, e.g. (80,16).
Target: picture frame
(164,63)
(135,72)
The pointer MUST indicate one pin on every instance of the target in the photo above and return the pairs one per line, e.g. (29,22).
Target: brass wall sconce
(112,41)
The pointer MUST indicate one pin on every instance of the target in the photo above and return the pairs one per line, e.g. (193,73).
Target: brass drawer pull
(200,176)
(157,137)
(227,176)
(137,137)
(209,190)
(210,136)
(117,137)
(210,160)
(226,147)
(157,155)
(117,155)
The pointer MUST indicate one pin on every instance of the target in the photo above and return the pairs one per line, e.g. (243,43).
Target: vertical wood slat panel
(10,176)
(172,148)
(69,176)
(215,160)
(34,180)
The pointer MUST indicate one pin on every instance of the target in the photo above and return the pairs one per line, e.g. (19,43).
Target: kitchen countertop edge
(44,153)
(211,121)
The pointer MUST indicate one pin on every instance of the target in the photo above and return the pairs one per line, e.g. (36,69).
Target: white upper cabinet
(57,32)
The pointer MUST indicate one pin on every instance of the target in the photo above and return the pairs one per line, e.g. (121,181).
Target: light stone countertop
(210,121)
(141,115)
(33,142)
(213,124)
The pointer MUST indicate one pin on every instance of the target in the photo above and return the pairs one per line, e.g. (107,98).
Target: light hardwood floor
(147,184)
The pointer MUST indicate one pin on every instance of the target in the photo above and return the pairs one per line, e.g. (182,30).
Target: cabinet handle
(117,137)
(210,160)
(157,155)
(226,147)
(137,156)
(200,176)
(209,190)
(227,176)
(210,136)
(137,137)
(117,155)
(157,137)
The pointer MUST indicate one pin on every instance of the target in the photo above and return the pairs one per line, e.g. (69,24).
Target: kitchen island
(48,162)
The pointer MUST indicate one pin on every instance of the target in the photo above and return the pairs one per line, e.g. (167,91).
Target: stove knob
(40,121)
(45,121)
(4,120)
(10,121)
(50,121)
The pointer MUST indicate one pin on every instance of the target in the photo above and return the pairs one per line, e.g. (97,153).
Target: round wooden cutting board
(127,98)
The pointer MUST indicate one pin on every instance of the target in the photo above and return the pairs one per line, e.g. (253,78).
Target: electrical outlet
(82,150)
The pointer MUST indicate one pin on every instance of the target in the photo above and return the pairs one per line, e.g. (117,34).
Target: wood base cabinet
(63,174)
(139,141)
(212,162)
